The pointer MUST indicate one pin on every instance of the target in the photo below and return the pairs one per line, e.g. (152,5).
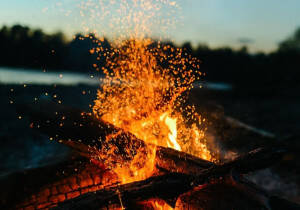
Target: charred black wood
(166,187)
(18,186)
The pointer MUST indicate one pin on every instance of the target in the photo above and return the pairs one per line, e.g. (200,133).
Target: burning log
(77,177)
(169,186)
(45,187)
(168,189)
(82,132)
(86,134)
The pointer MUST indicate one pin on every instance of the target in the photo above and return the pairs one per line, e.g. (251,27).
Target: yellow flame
(171,123)
(142,94)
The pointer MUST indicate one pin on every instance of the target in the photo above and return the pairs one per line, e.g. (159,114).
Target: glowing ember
(157,204)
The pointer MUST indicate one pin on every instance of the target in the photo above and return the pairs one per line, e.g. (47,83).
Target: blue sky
(262,24)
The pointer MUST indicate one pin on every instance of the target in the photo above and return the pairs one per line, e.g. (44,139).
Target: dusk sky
(261,24)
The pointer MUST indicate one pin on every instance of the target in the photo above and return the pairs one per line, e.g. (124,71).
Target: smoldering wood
(169,186)
(44,187)
(20,186)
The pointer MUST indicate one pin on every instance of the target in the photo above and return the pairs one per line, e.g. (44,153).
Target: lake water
(29,76)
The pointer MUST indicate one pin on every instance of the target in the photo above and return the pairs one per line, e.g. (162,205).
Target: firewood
(84,133)
(34,183)
(169,186)
(44,187)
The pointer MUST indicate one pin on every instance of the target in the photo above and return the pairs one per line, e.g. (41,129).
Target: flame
(157,204)
(160,206)
(171,123)
(142,98)
(142,93)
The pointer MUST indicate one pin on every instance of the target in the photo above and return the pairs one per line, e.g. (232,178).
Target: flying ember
(144,92)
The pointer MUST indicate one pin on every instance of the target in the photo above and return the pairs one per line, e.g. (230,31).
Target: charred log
(168,187)
(44,187)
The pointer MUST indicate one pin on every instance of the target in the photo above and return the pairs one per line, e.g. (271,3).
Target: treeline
(23,47)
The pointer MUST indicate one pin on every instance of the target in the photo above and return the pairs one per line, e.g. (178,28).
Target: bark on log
(45,187)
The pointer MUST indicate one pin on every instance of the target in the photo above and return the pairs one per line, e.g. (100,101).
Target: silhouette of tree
(187,47)
(292,43)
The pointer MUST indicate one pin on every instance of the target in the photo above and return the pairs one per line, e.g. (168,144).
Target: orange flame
(157,204)
(142,93)
(143,98)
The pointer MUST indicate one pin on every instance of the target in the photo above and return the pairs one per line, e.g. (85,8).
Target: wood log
(86,134)
(44,187)
(76,176)
(227,195)
(169,186)
(49,119)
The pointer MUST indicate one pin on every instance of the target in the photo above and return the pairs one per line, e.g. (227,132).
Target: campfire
(143,146)
(144,94)
(144,99)
(176,180)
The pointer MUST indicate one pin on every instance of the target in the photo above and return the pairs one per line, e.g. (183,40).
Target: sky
(259,24)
